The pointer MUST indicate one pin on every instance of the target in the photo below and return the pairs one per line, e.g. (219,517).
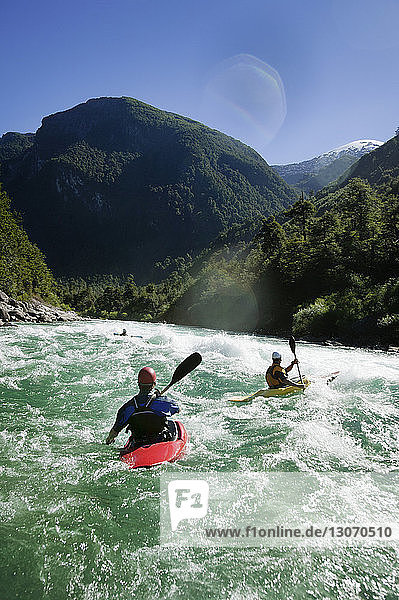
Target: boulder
(17,315)
(4,314)
(43,317)
(33,311)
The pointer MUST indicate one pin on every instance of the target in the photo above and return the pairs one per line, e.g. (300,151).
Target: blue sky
(291,78)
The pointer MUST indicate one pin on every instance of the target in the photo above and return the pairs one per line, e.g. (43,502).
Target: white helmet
(276,356)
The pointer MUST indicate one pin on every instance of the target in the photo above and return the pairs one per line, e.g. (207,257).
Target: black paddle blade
(292,344)
(188,365)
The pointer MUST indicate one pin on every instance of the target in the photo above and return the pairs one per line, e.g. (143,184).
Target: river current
(77,523)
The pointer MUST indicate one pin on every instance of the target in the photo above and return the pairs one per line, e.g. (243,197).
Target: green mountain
(114,185)
(317,181)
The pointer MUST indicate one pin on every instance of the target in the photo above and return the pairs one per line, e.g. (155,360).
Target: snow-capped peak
(358,146)
(354,149)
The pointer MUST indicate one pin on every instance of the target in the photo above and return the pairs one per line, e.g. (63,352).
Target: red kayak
(155,454)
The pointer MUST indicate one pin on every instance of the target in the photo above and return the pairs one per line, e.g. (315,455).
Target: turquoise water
(76,523)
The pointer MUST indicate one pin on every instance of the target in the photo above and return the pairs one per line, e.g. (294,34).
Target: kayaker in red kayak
(276,375)
(145,415)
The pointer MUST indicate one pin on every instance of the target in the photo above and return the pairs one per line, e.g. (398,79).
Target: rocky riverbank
(13,311)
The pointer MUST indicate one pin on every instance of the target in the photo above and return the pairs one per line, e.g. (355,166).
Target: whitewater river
(76,523)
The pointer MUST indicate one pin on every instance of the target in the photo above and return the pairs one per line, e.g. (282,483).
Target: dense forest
(23,270)
(327,268)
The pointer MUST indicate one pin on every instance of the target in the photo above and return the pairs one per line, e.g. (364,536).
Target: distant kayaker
(276,375)
(145,415)
(124,332)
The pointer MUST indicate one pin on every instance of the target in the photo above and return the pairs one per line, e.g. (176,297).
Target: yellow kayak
(284,391)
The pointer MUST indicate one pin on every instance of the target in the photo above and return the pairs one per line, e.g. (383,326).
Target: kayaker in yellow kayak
(276,375)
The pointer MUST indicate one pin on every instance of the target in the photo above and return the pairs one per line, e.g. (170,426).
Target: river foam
(76,521)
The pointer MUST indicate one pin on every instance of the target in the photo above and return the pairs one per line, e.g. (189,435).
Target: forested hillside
(23,270)
(327,272)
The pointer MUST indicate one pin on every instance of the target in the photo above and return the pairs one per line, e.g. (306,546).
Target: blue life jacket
(145,404)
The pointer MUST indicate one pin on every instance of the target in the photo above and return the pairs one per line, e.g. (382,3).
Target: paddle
(292,346)
(185,367)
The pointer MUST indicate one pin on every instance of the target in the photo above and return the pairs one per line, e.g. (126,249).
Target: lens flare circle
(245,98)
